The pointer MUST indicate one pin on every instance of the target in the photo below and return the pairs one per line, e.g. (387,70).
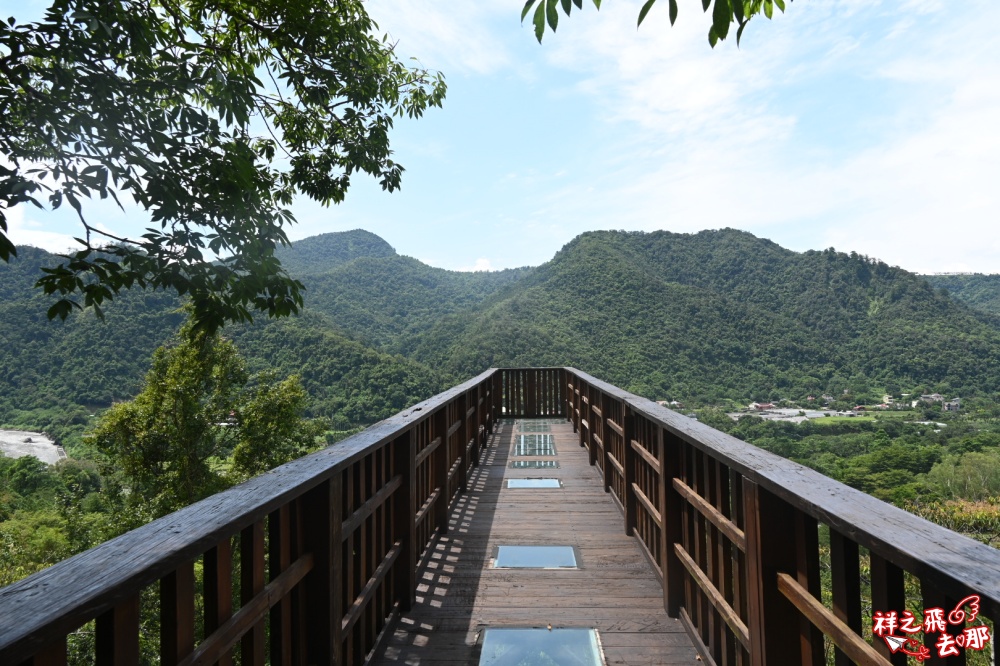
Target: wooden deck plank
(614,590)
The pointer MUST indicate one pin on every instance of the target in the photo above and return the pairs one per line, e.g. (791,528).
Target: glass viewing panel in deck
(534,483)
(534,445)
(535,557)
(534,464)
(531,647)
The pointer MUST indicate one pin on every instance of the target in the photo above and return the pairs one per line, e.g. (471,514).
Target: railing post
(628,462)
(671,511)
(602,432)
(117,639)
(587,439)
(252,584)
(442,465)
(463,449)
(177,614)
(474,427)
(404,526)
(770,550)
(324,585)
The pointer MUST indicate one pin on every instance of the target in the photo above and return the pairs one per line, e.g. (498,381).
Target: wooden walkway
(614,591)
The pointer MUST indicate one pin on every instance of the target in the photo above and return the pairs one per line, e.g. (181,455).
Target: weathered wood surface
(933,553)
(43,608)
(614,591)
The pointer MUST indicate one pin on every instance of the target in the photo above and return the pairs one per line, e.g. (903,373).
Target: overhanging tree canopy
(724,14)
(211,115)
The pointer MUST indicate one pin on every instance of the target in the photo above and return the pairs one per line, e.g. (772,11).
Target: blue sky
(856,124)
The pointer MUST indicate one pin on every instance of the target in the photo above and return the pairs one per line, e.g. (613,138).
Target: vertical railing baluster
(51,655)
(935,597)
(846,586)
(888,594)
(177,614)
(439,430)
(324,585)
(739,559)
(724,561)
(808,576)
(770,550)
(714,627)
(218,589)
(251,584)
(279,559)
(405,511)
(672,513)
(629,462)
(463,445)
(117,634)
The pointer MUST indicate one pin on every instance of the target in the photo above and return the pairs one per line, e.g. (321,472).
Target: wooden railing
(736,535)
(321,554)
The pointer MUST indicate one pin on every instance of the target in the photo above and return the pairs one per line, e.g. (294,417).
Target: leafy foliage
(725,13)
(211,116)
(978,290)
(196,407)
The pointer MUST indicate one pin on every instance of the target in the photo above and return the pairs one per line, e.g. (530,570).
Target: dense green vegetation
(977,290)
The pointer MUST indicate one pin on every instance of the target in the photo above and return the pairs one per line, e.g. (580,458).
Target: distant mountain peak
(325,252)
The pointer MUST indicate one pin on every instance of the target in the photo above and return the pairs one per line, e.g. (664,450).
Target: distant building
(761,406)
(952,405)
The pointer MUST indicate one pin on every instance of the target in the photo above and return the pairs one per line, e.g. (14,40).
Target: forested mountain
(978,290)
(54,374)
(699,318)
(726,313)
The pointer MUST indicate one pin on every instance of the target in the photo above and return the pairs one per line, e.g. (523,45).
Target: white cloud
(22,231)
(482,264)
(453,37)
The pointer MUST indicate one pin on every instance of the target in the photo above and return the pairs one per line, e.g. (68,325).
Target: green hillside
(54,374)
(699,318)
(322,253)
(723,313)
(978,290)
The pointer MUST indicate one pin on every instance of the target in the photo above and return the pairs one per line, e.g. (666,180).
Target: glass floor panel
(535,445)
(535,427)
(534,483)
(535,557)
(540,647)
(534,464)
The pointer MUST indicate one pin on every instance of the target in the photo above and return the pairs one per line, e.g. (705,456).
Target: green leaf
(578,3)
(567,6)
(645,10)
(739,33)
(713,38)
(768,8)
(705,4)
(597,3)
(539,20)
(552,13)
(722,16)
(527,8)
(781,4)
(673,11)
